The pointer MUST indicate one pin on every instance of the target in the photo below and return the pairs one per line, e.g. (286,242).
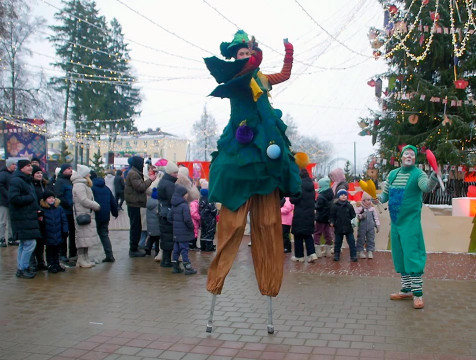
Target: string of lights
(328,33)
(21,118)
(401,43)
(163,28)
(105,31)
(394,34)
(99,68)
(459,51)
(296,60)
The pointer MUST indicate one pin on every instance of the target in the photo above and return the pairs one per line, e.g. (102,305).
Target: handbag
(82,219)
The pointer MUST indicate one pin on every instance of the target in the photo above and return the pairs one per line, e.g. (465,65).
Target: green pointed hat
(240,40)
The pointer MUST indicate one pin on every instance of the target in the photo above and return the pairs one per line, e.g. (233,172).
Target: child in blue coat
(55,229)
(183,232)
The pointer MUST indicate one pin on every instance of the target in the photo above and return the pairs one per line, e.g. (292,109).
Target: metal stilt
(210,318)
(270,316)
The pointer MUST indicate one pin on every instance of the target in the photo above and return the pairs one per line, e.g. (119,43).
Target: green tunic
(238,171)
(405,203)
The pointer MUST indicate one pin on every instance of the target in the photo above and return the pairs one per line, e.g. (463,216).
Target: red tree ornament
(371,83)
(425,2)
(434,16)
(392,9)
(461,84)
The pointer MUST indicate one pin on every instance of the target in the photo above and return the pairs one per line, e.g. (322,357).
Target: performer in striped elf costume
(403,191)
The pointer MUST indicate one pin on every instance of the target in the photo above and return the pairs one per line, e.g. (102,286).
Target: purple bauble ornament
(244,134)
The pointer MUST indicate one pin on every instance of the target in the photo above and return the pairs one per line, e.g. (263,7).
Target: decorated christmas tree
(428,93)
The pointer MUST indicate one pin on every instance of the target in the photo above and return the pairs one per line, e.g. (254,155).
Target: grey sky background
(327,92)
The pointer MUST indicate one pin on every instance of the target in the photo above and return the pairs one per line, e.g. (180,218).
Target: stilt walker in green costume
(403,191)
(252,167)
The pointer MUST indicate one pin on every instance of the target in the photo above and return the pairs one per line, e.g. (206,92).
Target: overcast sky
(327,92)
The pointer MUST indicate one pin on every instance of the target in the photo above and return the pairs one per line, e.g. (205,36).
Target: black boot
(189,270)
(166,261)
(176,269)
(3,243)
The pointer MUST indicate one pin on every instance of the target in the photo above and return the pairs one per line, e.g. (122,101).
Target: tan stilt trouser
(267,243)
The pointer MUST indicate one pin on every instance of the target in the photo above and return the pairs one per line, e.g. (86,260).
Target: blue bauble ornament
(273,151)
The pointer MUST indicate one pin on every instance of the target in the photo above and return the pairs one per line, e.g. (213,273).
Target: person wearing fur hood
(83,200)
(192,198)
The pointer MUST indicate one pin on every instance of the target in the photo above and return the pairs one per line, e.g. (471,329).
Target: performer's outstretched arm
(285,73)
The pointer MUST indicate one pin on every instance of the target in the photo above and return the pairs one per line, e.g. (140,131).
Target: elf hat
(240,40)
(410,147)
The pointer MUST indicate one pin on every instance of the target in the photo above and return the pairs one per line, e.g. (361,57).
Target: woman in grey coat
(86,235)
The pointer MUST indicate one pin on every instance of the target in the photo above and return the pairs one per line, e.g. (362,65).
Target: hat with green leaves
(229,49)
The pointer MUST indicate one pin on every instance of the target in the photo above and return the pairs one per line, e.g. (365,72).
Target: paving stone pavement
(134,309)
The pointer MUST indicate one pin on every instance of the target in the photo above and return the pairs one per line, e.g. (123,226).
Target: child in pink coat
(369,223)
(286,219)
(195,212)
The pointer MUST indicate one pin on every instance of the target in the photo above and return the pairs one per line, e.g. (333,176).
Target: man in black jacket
(136,198)
(64,192)
(5,225)
(24,212)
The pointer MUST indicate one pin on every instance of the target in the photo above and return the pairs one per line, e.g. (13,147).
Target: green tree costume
(238,170)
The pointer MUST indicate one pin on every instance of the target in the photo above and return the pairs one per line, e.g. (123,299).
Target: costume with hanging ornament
(253,164)
(403,190)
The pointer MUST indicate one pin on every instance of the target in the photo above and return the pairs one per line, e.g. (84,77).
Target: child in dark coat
(55,229)
(183,230)
(342,212)
(153,227)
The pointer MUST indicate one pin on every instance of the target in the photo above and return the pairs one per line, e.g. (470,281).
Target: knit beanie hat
(171,168)
(324,184)
(366,196)
(342,192)
(301,159)
(64,167)
(155,194)
(47,194)
(10,162)
(36,169)
(204,192)
(92,174)
(36,159)
(183,171)
(83,170)
(137,162)
(22,163)
(118,172)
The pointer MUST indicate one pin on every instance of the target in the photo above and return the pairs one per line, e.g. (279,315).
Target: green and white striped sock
(417,285)
(406,284)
